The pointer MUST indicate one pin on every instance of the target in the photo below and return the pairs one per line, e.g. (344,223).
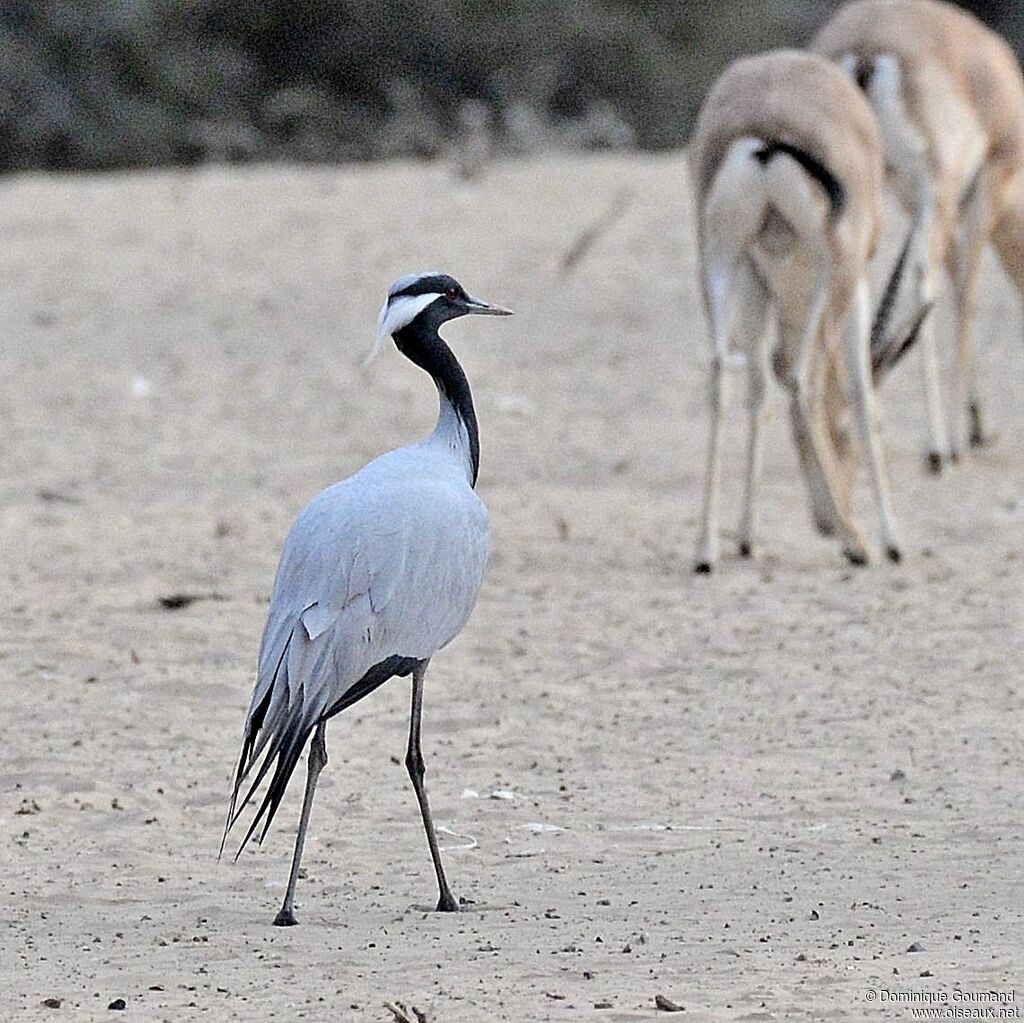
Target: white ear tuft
(378,344)
(381,336)
(397,313)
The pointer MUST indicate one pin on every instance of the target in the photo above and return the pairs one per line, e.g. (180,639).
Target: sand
(753,794)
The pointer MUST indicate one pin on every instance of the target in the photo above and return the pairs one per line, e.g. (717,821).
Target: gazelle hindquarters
(788,174)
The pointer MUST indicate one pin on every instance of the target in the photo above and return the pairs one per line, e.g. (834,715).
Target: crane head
(433,298)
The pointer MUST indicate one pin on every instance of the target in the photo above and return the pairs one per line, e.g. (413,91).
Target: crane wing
(375,576)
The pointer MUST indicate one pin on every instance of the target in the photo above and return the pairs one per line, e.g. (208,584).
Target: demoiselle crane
(378,572)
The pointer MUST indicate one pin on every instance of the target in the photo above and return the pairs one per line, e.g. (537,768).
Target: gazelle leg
(907,154)
(964,265)
(446,902)
(856,332)
(925,274)
(807,384)
(718,287)
(315,762)
(809,411)
(731,217)
(750,335)
(823,511)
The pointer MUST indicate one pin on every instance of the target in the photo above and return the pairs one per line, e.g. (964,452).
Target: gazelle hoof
(933,463)
(824,523)
(702,568)
(746,549)
(855,556)
(894,554)
(979,437)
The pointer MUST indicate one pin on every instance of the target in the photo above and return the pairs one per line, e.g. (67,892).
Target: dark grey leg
(314,765)
(446,903)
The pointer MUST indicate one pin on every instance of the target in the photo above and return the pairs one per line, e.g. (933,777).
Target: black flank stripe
(864,72)
(815,168)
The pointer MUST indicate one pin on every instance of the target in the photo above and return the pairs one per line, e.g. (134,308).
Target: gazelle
(787,168)
(949,96)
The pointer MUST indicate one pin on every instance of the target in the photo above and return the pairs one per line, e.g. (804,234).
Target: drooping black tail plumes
(888,348)
(281,723)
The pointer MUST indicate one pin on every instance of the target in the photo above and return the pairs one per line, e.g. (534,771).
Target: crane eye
(452,294)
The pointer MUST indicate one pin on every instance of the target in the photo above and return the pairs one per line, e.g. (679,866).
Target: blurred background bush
(87,84)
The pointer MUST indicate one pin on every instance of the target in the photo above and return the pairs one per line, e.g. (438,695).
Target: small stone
(667,1005)
(118,1004)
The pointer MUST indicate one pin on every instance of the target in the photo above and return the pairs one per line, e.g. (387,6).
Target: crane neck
(456,421)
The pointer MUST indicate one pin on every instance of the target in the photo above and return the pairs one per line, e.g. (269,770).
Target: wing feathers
(372,580)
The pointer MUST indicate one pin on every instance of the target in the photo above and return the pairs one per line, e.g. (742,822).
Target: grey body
(378,573)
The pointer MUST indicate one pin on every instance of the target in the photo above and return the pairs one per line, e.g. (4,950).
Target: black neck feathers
(420,343)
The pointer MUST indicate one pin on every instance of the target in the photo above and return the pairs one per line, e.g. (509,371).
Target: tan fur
(963,93)
(786,95)
(1008,234)
(770,237)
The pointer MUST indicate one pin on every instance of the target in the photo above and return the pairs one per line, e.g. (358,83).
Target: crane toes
(286,918)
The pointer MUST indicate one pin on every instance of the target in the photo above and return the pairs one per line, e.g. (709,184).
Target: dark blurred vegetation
(129,83)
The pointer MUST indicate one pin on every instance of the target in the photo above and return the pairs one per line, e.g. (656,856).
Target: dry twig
(589,235)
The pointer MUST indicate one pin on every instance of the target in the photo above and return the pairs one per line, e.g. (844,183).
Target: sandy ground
(752,794)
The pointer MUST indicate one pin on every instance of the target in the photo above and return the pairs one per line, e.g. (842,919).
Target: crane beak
(474,305)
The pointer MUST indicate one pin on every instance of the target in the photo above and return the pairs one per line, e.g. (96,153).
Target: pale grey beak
(474,305)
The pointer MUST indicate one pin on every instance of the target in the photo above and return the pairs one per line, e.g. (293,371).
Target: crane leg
(314,765)
(446,902)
